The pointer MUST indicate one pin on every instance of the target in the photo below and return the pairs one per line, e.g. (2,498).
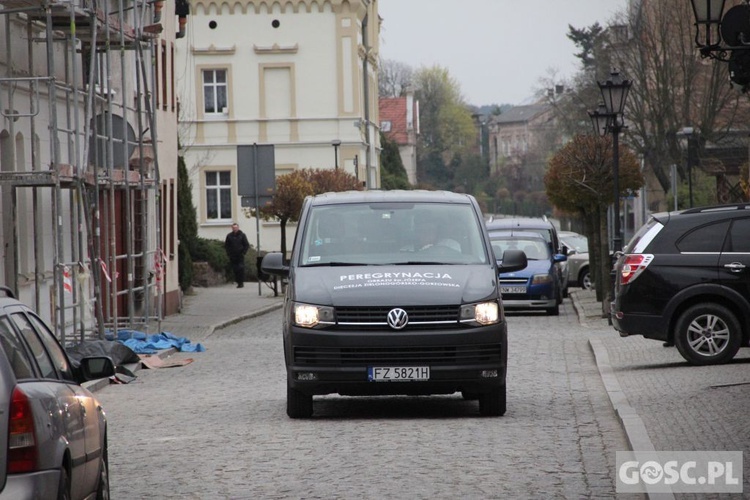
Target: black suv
(684,278)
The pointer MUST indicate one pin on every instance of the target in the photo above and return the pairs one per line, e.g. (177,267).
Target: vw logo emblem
(397,318)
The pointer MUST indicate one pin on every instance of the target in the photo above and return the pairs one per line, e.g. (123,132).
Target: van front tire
(493,404)
(298,404)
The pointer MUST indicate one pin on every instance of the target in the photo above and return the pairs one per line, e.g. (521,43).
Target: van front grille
(397,356)
(417,314)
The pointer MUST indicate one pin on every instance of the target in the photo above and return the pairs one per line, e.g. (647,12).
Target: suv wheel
(707,334)
(298,404)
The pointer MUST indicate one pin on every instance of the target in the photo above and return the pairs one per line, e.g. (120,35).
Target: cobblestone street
(217,428)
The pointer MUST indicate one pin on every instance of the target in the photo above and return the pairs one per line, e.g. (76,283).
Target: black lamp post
(336,143)
(608,118)
(687,133)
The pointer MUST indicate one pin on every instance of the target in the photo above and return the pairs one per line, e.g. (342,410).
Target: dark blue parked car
(535,287)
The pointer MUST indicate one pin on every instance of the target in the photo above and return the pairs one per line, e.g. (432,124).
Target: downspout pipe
(182,10)
(366,94)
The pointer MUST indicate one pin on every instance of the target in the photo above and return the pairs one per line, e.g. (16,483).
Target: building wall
(294,79)
(27,142)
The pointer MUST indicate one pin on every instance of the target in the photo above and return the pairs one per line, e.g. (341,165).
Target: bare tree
(672,86)
(394,78)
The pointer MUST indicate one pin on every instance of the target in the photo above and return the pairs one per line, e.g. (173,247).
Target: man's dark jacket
(236,245)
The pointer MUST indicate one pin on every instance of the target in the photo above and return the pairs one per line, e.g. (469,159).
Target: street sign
(256,168)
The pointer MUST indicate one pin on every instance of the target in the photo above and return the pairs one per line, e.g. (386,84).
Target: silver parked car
(578,259)
(53,432)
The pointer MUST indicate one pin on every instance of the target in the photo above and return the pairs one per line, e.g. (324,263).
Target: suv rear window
(739,236)
(704,239)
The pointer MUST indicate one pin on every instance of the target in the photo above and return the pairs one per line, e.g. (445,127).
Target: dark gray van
(393,292)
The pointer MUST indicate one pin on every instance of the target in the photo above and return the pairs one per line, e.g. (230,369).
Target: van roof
(376,196)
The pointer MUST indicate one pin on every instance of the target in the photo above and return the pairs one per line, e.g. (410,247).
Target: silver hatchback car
(53,432)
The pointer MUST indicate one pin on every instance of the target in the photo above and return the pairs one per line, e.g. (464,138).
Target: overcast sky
(497,50)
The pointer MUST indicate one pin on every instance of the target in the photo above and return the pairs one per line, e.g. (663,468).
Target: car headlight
(540,279)
(486,313)
(310,316)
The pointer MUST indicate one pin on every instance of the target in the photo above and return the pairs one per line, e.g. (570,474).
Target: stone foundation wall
(205,276)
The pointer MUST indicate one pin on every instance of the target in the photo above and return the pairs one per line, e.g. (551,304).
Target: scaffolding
(81,218)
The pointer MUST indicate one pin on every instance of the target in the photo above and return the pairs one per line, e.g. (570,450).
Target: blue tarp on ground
(142,343)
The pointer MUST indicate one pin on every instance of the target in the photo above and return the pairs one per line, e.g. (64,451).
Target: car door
(734,263)
(65,401)
(90,408)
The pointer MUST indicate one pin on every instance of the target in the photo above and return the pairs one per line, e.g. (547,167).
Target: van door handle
(735,267)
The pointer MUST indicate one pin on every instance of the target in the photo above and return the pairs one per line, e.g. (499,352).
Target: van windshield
(392,233)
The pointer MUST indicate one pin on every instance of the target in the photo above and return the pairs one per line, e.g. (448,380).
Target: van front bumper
(327,361)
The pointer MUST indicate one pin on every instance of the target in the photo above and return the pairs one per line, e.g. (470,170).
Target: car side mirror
(95,367)
(558,257)
(273,263)
(513,260)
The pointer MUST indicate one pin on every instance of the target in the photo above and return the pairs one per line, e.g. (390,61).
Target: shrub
(212,251)
(185,263)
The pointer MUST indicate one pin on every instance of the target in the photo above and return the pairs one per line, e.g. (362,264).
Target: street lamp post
(687,133)
(608,118)
(336,143)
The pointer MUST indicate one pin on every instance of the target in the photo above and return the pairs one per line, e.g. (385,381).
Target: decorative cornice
(276,49)
(371,56)
(213,50)
(204,7)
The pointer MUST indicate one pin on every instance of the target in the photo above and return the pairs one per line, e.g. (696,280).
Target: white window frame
(214,85)
(222,191)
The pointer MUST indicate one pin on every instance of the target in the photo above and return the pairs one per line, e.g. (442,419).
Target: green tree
(187,226)
(392,172)
(446,125)
(580,181)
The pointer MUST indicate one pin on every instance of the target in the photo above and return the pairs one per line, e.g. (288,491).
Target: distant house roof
(393,119)
(521,113)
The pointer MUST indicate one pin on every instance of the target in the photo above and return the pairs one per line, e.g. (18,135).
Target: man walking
(236,246)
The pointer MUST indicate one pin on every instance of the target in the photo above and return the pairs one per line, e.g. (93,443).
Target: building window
(215,91)
(219,195)
(385,126)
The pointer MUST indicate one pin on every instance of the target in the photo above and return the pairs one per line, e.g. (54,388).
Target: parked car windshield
(535,249)
(578,243)
(392,233)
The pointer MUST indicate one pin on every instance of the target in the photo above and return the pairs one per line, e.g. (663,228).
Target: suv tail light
(633,266)
(22,452)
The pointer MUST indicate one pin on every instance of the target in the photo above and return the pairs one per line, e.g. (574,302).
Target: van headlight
(485,313)
(309,316)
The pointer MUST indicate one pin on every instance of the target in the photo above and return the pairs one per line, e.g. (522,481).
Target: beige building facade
(300,75)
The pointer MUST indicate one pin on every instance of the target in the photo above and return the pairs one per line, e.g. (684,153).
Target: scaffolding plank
(28,178)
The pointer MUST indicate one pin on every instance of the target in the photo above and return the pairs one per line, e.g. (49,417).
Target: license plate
(513,289)
(398,373)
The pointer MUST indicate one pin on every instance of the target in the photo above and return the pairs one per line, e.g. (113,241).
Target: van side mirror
(513,260)
(273,263)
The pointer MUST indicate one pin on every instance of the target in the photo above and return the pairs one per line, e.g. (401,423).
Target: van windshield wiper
(337,264)
(415,262)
